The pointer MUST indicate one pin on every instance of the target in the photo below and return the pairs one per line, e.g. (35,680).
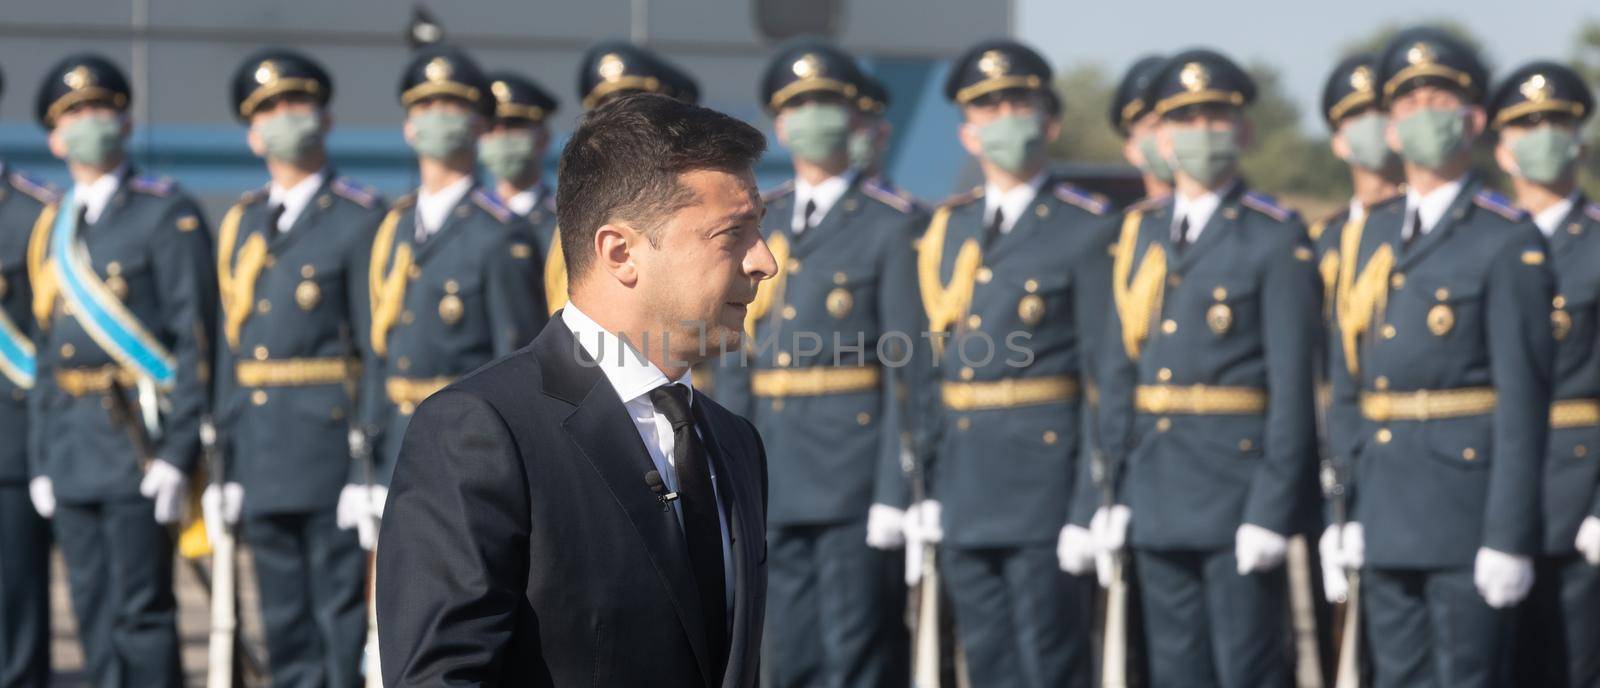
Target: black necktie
(992,232)
(1414,231)
(83,215)
(702,527)
(274,218)
(1181,242)
(811,214)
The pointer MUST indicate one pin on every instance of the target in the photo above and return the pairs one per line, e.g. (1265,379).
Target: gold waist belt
(79,382)
(1427,404)
(1575,413)
(1199,400)
(295,372)
(811,382)
(407,392)
(1007,393)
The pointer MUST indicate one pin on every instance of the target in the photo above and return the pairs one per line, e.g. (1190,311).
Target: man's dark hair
(624,160)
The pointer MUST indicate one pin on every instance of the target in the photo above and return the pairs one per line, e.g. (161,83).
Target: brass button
(1381,383)
(789,313)
(1389,332)
(1164,374)
(403,363)
(1397,280)
(1246,445)
(68,350)
(113,268)
(414,272)
(407,317)
(260,353)
(863,418)
(1163,424)
(1469,453)
(839,278)
(784,359)
(406,408)
(1219,293)
(794,265)
(1169,326)
(974,321)
(1174,280)
(1559,301)
(1441,294)
(1050,437)
(1030,286)
(963,423)
(258,397)
(1384,436)
(984,275)
(967,372)
(1580,451)
(263,306)
(270,261)
(1574,228)
(307,271)
(451,286)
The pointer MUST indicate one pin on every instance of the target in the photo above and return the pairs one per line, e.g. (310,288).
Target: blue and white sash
(17,360)
(107,320)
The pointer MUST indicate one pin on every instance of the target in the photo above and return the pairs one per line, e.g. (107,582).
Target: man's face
(1138,131)
(1008,103)
(442,105)
(1541,149)
(89,110)
(1207,118)
(1428,97)
(293,104)
(706,260)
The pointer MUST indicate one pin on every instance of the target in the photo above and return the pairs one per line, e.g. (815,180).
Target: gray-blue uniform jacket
(815,380)
(440,309)
(1450,390)
(542,222)
(1023,315)
(21,200)
(1572,469)
(1208,386)
(152,250)
(294,312)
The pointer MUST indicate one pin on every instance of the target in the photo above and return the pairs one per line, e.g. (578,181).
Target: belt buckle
(1161,399)
(1424,409)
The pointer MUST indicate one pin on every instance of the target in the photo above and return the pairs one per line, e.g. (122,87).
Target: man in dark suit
(574,513)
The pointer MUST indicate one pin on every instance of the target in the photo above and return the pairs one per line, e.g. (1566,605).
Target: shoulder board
(1147,203)
(38,189)
(778,192)
(1092,202)
(963,198)
(155,186)
(1266,205)
(1497,204)
(894,198)
(492,205)
(359,194)
(1593,211)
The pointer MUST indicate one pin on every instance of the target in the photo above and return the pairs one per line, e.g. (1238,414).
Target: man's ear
(614,245)
(409,131)
(968,133)
(777,128)
(1504,158)
(58,145)
(1340,147)
(1391,136)
(258,146)
(1052,128)
(1477,121)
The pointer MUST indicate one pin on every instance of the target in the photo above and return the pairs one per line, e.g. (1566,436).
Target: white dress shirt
(433,209)
(1549,219)
(294,199)
(824,194)
(525,201)
(1429,208)
(1357,210)
(94,196)
(1198,210)
(633,377)
(1014,202)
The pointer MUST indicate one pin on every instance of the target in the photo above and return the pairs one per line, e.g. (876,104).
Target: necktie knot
(672,401)
(276,218)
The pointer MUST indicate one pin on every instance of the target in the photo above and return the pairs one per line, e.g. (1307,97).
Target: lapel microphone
(665,498)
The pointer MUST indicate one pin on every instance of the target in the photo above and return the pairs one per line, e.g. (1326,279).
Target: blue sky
(1302,39)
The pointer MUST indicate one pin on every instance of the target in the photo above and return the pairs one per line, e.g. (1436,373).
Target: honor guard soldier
(1216,314)
(455,275)
(292,270)
(24,536)
(513,152)
(1539,112)
(1358,127)
(827,340)
(1134,118)
(613,69)
(123,293)
(1441,365)
(1013,278)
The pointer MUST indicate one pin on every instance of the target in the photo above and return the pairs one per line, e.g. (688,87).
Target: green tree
(1587,62)
(1086,134)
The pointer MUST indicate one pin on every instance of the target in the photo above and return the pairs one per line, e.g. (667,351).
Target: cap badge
(1195,77)
(267,72)
(78,78)
(807,66)
(438,69)
(1420,54)
(994,64)
(1361,79)
(1537,89)
(501,90)
(611,67)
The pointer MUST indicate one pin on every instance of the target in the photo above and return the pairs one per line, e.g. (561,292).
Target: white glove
(886,527)
(43,495)
(1075,550)
(1588,541)
(923,522)
(1109,532)
(377,500)
(1335,577)
(164,484)
(1502,579)
(356,510)
(1257,549)
(1353,546)
(220,507)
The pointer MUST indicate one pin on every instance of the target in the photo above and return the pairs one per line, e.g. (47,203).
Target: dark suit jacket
(522,546)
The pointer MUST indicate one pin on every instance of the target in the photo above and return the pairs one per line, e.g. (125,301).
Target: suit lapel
(601,429)
(832,222)
(1024,227)
(1562,239)
(1423,245)
(1216,229)
(731,479)
(450,228)
(280,242)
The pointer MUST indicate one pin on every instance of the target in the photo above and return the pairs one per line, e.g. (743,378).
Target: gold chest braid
(1137,294)
(945,304)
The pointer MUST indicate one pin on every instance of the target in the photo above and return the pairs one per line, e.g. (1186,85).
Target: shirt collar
(1431,208)
(94,196)
(1013,203)
(1357,210)
(432,209)
(1198,210)
(294,199)
(1549,219)
(524,201)
(825,194)
(629,373)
